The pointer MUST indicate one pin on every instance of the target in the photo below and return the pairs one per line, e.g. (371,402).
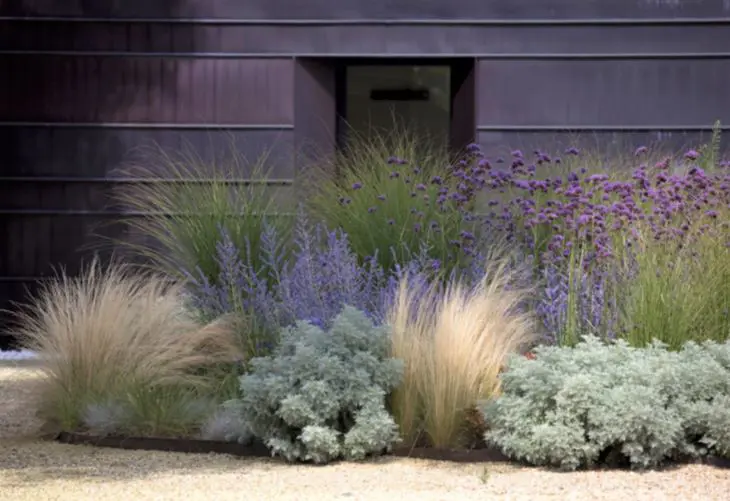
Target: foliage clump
(396,195)
(613,404)
(321,395)
(187,199)
(118,349)
(453,341)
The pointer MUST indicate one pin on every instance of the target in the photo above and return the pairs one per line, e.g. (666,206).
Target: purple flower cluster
(552,214)
(320,278)
(313,283)
(578,226)
(324,276)
(572,304)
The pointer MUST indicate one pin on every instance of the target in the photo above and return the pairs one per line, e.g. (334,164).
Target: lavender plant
(325,275)
(576,300)
(313,283)
(238,293)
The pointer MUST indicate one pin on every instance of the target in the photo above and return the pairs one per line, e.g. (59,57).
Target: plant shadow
(42,461)
(26,457)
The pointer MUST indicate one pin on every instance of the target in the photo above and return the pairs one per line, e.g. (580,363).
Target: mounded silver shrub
(321,395)
(612,404)
(703,391)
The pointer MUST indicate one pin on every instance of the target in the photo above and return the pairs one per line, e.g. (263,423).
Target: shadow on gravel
(25,459)
(25,462)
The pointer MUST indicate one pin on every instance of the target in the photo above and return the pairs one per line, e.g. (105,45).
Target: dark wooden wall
(68,121)
(84,82)
(437,10)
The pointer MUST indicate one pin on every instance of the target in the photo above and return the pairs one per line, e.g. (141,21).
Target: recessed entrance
(337,97)
(415,97)
(433,98)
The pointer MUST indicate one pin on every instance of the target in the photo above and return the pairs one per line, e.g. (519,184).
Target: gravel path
(39,471)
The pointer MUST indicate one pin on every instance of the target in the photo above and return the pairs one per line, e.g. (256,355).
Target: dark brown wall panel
(18,292)
(463,105)
(35,243)
(40,243)
(612,144)
(242,91)
(148,90)
(56,186)
(354,9)
(604,93)
(316,119)
(62,197)
(374,38)
(89,152)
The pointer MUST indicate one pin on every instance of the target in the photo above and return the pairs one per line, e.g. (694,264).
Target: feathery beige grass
(110,332)
(453,343)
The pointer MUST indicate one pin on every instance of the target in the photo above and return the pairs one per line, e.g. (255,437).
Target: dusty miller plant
(321,395)
(703,394)
(612,404)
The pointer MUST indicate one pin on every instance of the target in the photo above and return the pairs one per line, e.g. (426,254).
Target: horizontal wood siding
(358,9)
(92,151)
(616,145)
(72,120)
(617,93)
(365,38)
(148,90)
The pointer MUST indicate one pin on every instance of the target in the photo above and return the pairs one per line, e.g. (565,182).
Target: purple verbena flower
(692,155)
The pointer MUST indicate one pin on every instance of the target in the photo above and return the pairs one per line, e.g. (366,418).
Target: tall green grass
(186,201)
(678,292)
(386,216)
(709,159)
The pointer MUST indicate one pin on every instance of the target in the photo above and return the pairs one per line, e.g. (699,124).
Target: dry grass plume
(109,332)
(454,342)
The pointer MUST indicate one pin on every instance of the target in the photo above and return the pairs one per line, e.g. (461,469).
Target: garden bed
(543,345)
(186,445)
(480,455)
(259,450)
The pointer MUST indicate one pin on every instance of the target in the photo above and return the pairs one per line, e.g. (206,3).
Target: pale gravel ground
(39,471)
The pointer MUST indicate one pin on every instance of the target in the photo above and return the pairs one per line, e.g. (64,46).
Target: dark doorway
(434,98)
(337,95)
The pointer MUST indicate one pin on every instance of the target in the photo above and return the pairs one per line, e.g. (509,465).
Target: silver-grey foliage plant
(612,404)
(321,395)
